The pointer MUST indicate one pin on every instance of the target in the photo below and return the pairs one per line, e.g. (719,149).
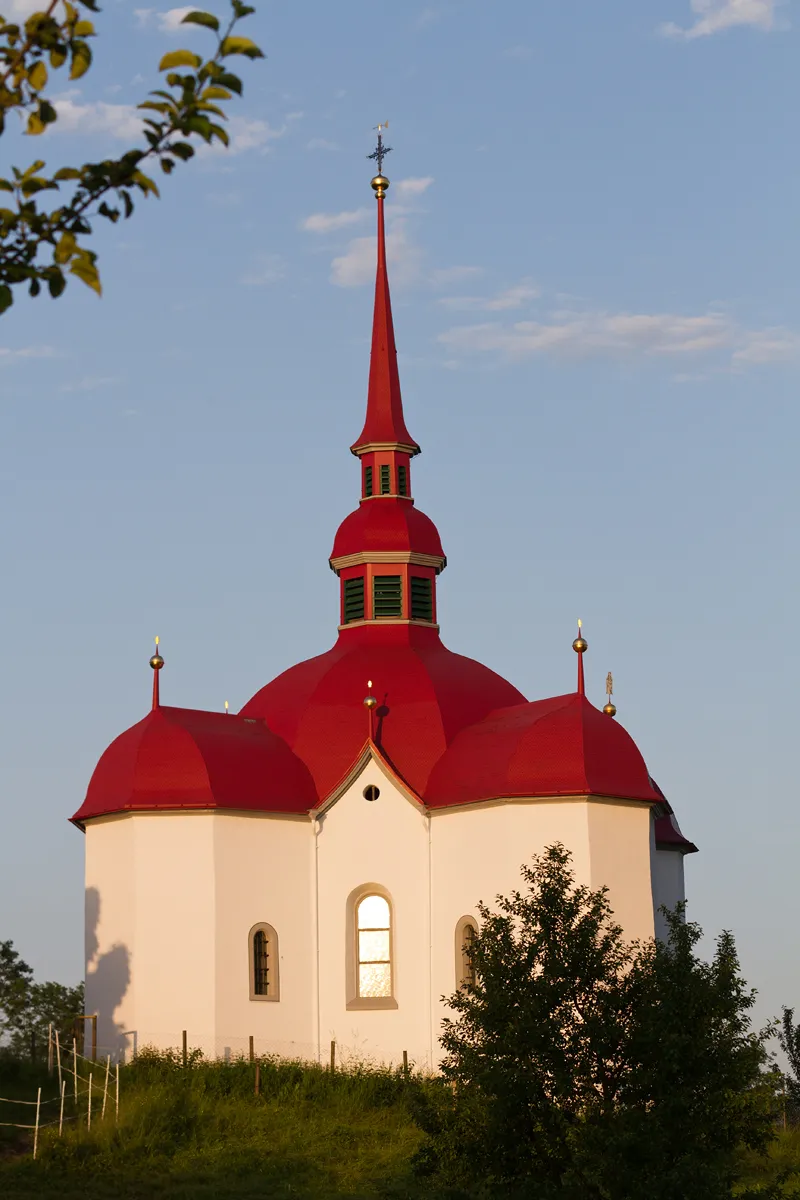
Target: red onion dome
(426,695)
(183,758)
(387,524)
(559,746)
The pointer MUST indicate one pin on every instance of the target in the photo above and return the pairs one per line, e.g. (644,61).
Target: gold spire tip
(580,645)
(369,699)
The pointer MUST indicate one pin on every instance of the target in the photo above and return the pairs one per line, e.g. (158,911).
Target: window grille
(386,480)
(387,596)
(421,598)
(354,599)
(374,933)
(261,963)
(367,481)
(402,480)
(468,972)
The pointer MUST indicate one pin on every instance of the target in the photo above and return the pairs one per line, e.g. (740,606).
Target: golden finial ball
(580,645)
(370,702)
(610,709)
(156,662)
(379,185)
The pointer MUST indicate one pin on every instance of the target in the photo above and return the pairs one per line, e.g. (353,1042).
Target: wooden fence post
(405,1063)
(61,1110)
(50,1048)
(116,1116)
(36,1130)
(89,1109)
(258,1078)
(75,1069)
(333,1057)
(105,1089)
(252,1049)
(185,1049)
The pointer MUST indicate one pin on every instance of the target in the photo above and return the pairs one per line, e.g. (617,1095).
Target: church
(309,870)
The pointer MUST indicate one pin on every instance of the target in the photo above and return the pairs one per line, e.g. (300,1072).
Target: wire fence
(88,1085)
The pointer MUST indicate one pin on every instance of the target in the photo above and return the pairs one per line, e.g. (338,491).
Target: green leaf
(240,45)
(84,29)
(35,124)
(201,18)
(68,173)
(86,271)
(65,248)
(81,60)
(231,81)
(47,113)
(215,93)
(56,283)
(182,150)
(58,57)
(6,298)
(180,58)
(5,186)
(37,76)
(35,288)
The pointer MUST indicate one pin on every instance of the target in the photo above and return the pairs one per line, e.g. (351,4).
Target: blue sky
(593,253)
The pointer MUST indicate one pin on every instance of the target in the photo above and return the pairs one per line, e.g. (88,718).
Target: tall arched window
(370,967)
(264,963)
(466,932)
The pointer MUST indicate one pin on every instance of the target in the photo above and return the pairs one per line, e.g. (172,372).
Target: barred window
(264,963)
(466,933)
(421,598)
(402,480)
(367,481)
(387,596)
(386,479)
(374,933)
(353,593)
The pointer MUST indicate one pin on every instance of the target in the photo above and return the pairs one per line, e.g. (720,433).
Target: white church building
(308,870)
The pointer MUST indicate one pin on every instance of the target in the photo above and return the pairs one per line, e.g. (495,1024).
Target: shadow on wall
(108,978)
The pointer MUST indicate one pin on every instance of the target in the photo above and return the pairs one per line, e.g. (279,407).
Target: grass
(201,1133)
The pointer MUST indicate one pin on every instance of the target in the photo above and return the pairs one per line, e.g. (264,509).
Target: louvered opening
(386,480)
(367,481)
(402,480)
(421,598)
(354,599)
(387,596)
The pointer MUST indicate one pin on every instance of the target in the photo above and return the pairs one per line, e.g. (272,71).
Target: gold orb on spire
(157,662)
(610,709)
(580,645)
(379,184)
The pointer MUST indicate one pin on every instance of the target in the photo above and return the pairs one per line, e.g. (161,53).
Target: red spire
(156,662)
(384,425)
(580,646)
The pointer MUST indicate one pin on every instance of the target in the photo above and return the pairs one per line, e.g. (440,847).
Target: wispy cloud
(357,265)
(119,120)
(715,16)
(169,21)
(265,270)
(321,144)
(9,356)
(404,189)
(91,383)
(327,222)
(592,334)
(511,297)
(452,276)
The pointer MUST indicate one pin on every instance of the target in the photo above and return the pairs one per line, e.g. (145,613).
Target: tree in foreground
(28,1008)
(582,1066)
(789,1038)
(41,246)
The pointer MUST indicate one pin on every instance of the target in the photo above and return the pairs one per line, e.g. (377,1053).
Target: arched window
(466,932)
(264,963)
(370,949)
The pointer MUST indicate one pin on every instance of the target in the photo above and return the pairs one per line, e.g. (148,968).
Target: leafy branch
(40,247)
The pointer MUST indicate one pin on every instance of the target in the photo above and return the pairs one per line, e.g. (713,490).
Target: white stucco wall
(110,930)
(619,840)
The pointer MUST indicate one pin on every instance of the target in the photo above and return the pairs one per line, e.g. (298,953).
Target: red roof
(560,746)
(385,423)
(426,695)
(185,758)
(386,524)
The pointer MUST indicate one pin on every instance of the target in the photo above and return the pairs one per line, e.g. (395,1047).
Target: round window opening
(371,792)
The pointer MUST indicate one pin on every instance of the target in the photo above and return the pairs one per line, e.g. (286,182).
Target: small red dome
(387,524)
(426,694)
(559,746)
(186,758)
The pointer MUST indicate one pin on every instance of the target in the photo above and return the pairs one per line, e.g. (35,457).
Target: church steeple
(387,553)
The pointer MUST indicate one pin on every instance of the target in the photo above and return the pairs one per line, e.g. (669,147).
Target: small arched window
(466,933)
(264,963)
(370,948)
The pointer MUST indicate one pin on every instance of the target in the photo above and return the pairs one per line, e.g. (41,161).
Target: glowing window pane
(374,979)
(373,946)
(373,913)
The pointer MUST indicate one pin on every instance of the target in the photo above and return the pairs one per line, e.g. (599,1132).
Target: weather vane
(380,151)
(609,685)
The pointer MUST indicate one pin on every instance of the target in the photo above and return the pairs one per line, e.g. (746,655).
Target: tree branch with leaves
(41,246)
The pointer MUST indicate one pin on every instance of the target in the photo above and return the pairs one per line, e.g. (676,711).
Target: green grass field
(200,1133)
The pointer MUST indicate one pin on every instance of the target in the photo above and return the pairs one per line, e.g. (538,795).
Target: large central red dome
(426,695)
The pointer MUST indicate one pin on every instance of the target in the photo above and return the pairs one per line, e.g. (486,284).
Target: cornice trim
(388,621)
(372,447)
(388,556)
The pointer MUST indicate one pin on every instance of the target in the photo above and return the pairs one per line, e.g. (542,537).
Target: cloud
(357,265)
(715,16)
(245,133)
(119,120)
(9,356)
(90,383)
(412,187)
(326,222)
(512,297)
(267,269)
(449,276)
(321,144)
(580,335)
(170,21)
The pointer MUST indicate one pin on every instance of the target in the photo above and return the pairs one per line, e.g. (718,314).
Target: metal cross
(380,151)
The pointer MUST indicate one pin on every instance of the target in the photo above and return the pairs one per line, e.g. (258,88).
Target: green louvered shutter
(386,480)
(402,480)
(354,599)
(367,481)
(421,598)
(387,596)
